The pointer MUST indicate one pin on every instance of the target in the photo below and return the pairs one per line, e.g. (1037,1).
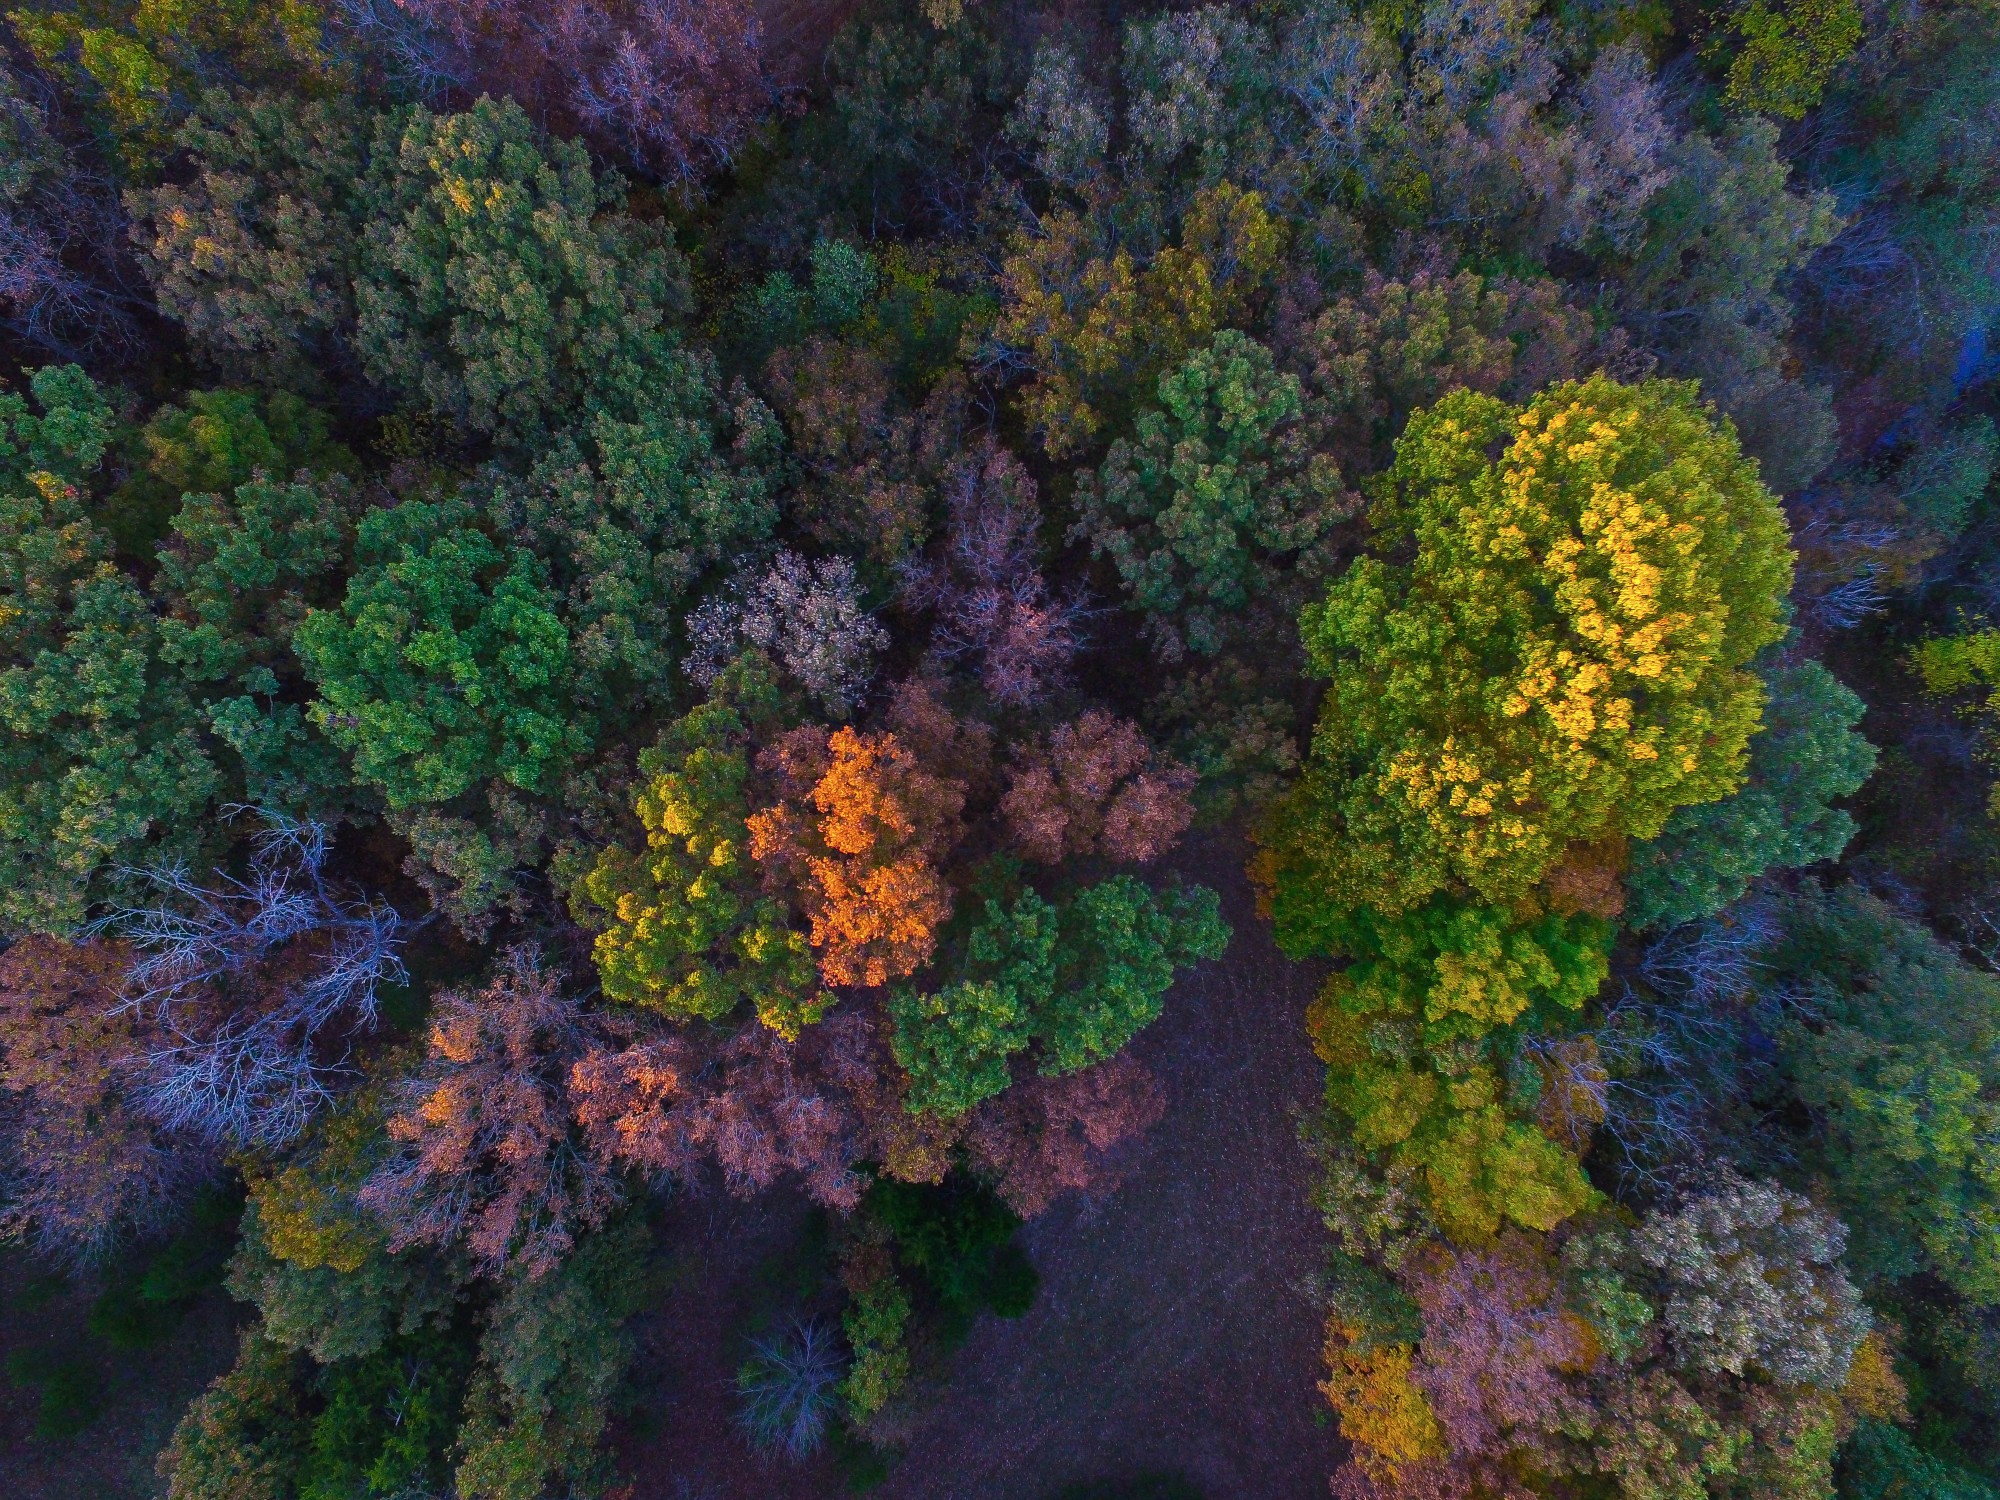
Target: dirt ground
(142,1392)
(1169,1338)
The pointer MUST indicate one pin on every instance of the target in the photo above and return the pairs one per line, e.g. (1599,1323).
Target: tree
(1394,347)
(1785,54)
(1965,666)
(986,588)
(103,755)
(255,255)
(552,1355)
(868,460)
(1891,1053)
(1807,755)
(237,573)
(1080,979)
(858,833)
(807,617)
(244,983)
(686,930)
(220,439)
(629,510)
(448,663)
(484,1148)
(1095,327)
(1562,657)
(757,1105)
(1044,1137)
(676,86)
(503,285)
(140,64)
(84,1167)
(1750,1279)
(1098,787)
(1219,498)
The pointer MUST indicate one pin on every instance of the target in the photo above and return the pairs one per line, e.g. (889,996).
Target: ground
(1171,1353)
(1173,1335)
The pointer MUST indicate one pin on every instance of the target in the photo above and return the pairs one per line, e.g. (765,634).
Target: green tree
(1786,53)
(1080,979)
(553,1353)
(628,510)
(102,759)
(1894,1056)
(140,62)
(447,664)
(1807,755)
(502,285)
(216,441)
(237,574)
(255,254)
(1218,499)
(687,928)
(1549,648)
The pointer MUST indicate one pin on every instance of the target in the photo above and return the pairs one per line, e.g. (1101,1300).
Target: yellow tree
(1548,649)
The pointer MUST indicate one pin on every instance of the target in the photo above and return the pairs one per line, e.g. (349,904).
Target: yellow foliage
(1099,330)
(1381,1412)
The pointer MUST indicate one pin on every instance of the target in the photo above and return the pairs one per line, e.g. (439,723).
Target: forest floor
(131,1397)
(1170,1342)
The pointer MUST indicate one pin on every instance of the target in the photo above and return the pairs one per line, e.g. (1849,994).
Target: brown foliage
(83,1166)
(1098,787)
(676,83)
(857,833)
(486,1146)
(1048,1136)
(869,459)
(760,1107)
(1589,879)
(985,584)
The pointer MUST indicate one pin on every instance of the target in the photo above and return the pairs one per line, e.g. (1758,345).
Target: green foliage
(876,1324)
(1218,499)
(1967,667)
(220,439)
(1894,1055)
(256,253)
(1466,969)
(628,510)
(138,62)
(1786,53)
(957,1238)
(243,1439)
(553,1354)
(1807,755)
(1879,1462)
(687,929)
(1115,961)
(66,438)
(67,1393)
(102,758)
(448,663)
(1081,979)
(502,286)
(1561,657)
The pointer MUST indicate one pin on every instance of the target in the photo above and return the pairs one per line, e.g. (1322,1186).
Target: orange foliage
(858,830)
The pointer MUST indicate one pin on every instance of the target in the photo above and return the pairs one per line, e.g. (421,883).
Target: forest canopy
(615,600)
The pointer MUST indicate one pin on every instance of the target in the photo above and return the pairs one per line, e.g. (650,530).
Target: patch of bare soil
(1169,1336)
(138,1395)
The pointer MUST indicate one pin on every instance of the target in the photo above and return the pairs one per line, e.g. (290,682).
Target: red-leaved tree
(486,1152)
(1097,787)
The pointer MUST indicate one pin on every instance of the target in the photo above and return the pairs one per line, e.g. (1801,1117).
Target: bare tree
(241,983)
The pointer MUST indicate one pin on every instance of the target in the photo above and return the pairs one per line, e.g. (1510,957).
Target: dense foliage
(609,598)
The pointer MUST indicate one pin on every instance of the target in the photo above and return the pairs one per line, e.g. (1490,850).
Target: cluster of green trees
(645,598)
